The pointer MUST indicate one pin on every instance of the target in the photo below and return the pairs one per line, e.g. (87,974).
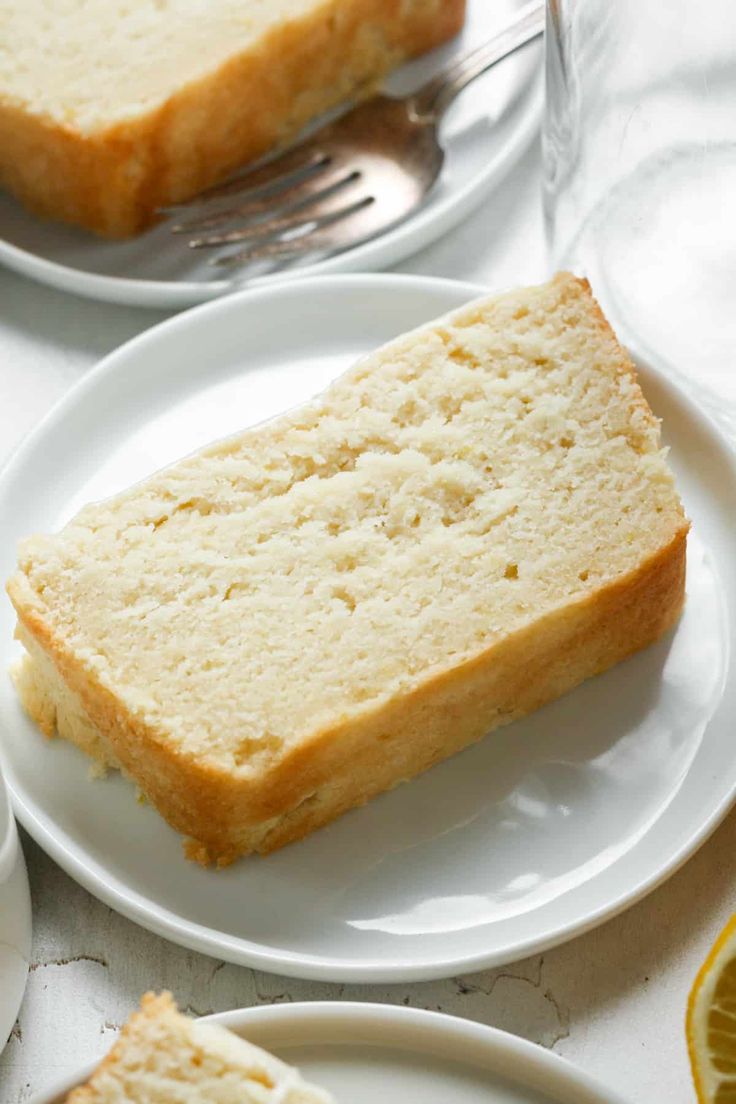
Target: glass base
(660,254)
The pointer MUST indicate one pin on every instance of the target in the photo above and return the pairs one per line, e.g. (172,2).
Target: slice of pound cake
(109,111)
(164,1056)
(465,525)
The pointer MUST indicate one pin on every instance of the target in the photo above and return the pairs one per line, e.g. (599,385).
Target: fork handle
(432,99)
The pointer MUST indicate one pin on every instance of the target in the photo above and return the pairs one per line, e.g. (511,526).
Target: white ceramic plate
(368,1052)
(15,920)
(532,836)
(489,128)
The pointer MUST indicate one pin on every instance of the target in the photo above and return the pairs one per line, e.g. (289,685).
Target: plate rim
(389,248)
(17,887)
(499,1044)
(197,937)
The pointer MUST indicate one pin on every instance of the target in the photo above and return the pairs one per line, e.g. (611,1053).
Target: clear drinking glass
(640,171)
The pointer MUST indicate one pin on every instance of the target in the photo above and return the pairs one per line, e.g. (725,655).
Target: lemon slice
(711,1022)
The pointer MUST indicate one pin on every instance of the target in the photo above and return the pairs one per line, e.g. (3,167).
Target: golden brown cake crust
(162,1055)
(346,765)
(387,740)
(152,1006)
(112,181)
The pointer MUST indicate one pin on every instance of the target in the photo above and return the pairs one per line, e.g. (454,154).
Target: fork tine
(278,250)
(265,178)
(310,191)
(274,219)
(267,247)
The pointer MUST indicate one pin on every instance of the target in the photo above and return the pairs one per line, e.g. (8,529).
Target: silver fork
(352,179)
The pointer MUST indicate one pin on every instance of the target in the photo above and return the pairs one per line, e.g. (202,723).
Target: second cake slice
(464,526)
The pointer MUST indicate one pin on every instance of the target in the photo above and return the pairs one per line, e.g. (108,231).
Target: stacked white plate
(369,1052)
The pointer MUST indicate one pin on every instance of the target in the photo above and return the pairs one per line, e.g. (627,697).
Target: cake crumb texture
(163,1057)
(465,525)
(109,111)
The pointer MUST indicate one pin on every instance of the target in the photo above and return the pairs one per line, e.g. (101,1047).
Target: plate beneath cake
(365,1052)
(487,131)
(536,834)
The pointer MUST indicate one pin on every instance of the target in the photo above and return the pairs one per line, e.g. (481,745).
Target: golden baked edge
(387,742)
(152,1007)
(344,766)
(113,181)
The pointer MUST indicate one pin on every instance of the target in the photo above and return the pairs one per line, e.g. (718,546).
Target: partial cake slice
(109,111)
(466,525)
(162,1056)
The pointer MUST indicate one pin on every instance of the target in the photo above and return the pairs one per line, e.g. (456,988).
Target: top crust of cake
(93,63)
(109,112)
(448,491)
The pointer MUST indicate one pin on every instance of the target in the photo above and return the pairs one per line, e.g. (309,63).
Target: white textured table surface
(612,1001)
